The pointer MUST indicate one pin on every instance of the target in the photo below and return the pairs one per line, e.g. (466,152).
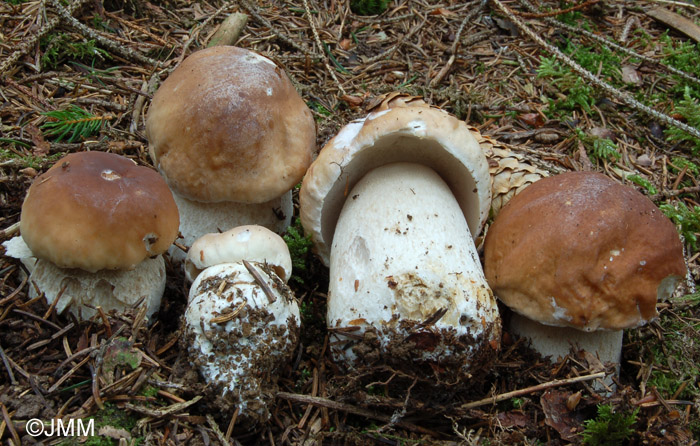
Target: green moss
(59,48)
(689,108)
(598,149)
(680,54)
(686,219)
(643,182)
(678,164)
(609,428)
(577,93)
(35,162)
(149,392)
(675,357)
(299,248)
(109,416)
(368,7)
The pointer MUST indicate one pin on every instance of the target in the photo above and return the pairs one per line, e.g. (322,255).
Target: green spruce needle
(73,123)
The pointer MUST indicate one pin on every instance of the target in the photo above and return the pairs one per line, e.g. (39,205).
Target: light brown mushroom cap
(413,133)
(228,125)
(580,250)
(96,210)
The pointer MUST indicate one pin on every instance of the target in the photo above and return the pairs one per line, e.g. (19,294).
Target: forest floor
(473,59)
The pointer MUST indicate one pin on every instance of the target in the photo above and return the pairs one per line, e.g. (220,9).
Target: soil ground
(469,58)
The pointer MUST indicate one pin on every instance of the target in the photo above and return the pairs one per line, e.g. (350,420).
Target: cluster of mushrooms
(393,204)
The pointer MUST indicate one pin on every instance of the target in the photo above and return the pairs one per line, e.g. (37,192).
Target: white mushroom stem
(80,292)
(198,218)
(239,330)
(557,342)
(403,253)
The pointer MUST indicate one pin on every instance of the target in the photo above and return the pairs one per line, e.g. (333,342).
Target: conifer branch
(73,123)
(122,50)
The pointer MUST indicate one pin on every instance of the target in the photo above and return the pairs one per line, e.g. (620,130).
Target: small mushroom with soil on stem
(232,137)
(242,321)
(578,258)
(391,204)
(93,228)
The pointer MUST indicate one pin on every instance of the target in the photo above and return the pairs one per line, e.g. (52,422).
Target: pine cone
(511,172)
(394,99)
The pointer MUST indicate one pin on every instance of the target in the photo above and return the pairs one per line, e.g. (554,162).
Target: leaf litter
(469,58)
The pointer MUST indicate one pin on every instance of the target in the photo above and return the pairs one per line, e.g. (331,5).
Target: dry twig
(321,47)
(330,404)
(112,46)
(548,385)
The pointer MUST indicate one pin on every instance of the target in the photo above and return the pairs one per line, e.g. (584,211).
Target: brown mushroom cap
(96,210)
(580,250)
(228,125)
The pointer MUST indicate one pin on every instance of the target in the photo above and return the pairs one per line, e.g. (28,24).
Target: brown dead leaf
(594,364)
(154,8)
(442,11)
(359,321)
(514,418)
(352,101)
(532,119)
(556,414)
(41,146)
(676,21)
(114,433)
(345,44)
(602,132)
(573,400)
(29,172)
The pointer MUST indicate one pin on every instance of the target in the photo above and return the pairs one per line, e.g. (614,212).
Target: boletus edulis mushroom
(578,258)
(242,321)
(392,204)
(96,225)
(232,137)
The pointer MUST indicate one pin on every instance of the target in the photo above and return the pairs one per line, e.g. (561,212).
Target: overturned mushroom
(232,137)
(578,258)
(242,321)
(391,204)
(95,224)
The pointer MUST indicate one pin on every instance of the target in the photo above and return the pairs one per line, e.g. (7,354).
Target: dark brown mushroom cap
(580,250)
(228,125)
(96,210)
